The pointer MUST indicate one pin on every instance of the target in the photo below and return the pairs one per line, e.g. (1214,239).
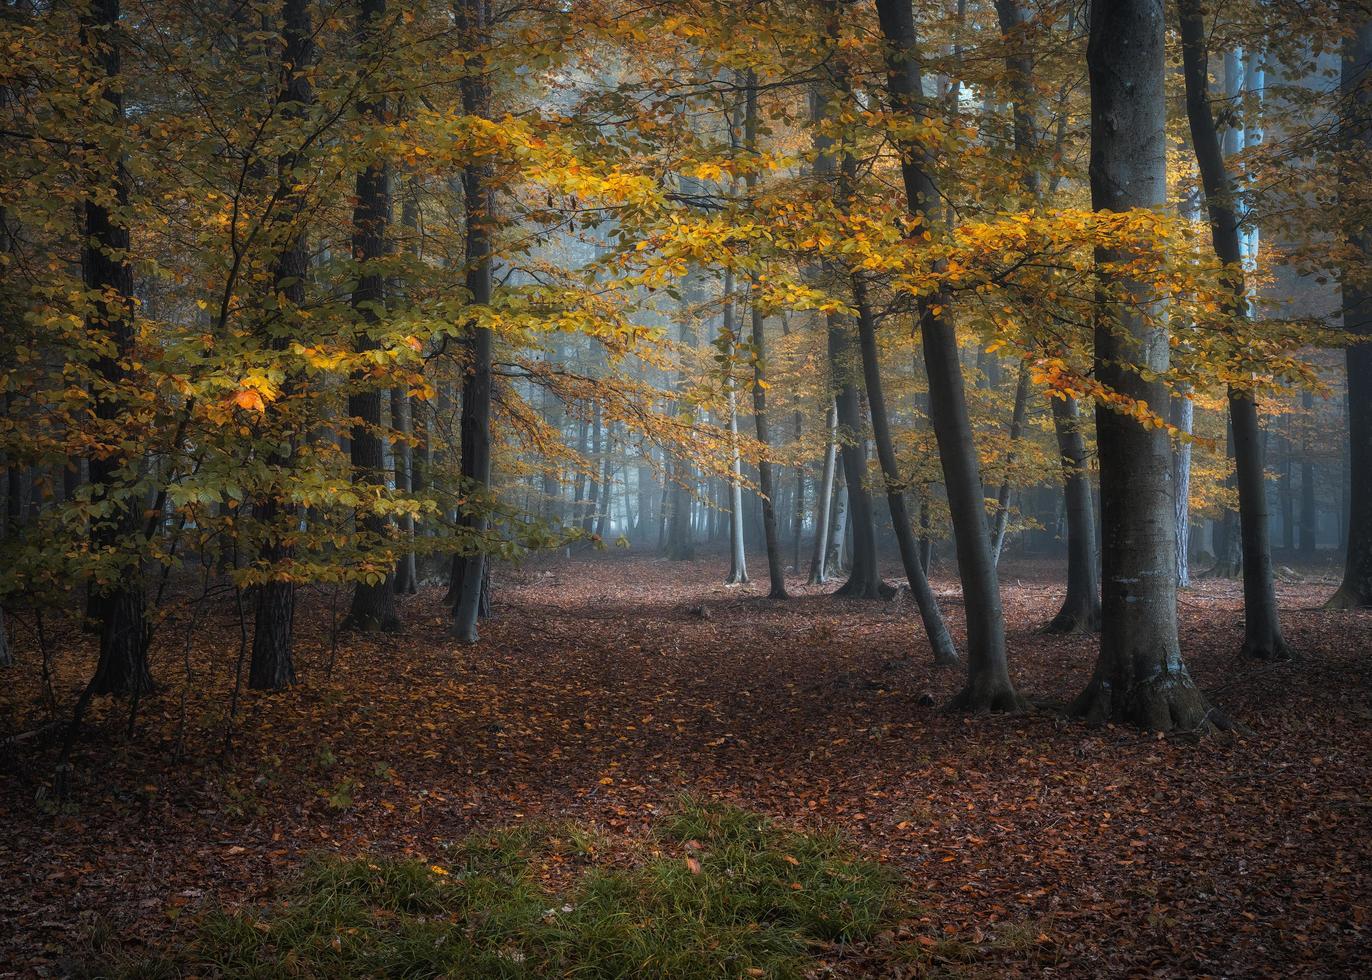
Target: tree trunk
(107,272)
(776,571)
(1355,124)
(373,603)
(1262,625)
(1140,677)
(945,653)
(1309,538)
(988,685)
(738,553)
(472,598)
(1002,518)
(271,667)
(824,497)
(1183,417)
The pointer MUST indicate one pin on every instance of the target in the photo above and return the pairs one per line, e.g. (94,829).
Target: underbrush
(717,892)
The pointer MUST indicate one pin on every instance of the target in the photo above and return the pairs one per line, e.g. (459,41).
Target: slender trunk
(402,452)
(988,678)
(473,596)
(776,571)
(272,667)
(858,521)
(824,495)
(1002,518)
(1355,123)
(1183,418)
(738,555)
(1140,677)
(939,640)
(1262,627)
(108,274)
(1308,527)
(373,602)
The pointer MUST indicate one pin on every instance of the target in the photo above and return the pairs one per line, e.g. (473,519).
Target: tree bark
(824,498)
(107,271)
(988,685)
(776,568)
(1002,518)
(1355,124)
(738,553)
(1140,677)
(271,667)
(1262,624)
(373,603)
(472,597)
(945,653)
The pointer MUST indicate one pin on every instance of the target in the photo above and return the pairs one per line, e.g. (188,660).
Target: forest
(784,488)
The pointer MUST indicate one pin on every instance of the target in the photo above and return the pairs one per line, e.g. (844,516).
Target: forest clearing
(603,696)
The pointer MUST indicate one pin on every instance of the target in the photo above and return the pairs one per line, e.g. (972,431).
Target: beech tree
(988,678)
(1140,677)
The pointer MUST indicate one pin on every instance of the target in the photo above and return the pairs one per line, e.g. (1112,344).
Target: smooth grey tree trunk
(1140,677)
(824,496)
(738,553)
(1262,623)
(941,644)
(988,685)
(1002,517)
(776,568)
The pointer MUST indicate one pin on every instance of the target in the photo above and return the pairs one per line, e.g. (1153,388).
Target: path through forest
(608,686)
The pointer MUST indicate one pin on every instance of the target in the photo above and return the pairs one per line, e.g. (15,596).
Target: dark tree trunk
(472,598)
(271,667)
(402,453)
(1308,539)
(863,580)
(373,603)
(945,653)
(119,602)
(1355,123)
(1262,624)
(1080,612)
(857,516)
(776,570)
(1140,677)
(988,678)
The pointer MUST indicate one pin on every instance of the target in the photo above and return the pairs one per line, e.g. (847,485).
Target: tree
(108,275)
(1262,625)
(1140,677)
(776,572)
(373,603)
(1080,610)
(988,685)
(271,667)
(1355,127)
(476,388)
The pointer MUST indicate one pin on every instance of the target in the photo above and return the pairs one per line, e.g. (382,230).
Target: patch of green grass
(719,893)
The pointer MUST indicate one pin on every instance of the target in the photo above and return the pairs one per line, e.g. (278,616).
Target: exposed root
(1271,650)
(1170,703)
(1073,621)
(984,695)
(1347,599)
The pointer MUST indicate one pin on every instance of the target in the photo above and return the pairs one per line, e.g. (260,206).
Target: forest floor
(609,686)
